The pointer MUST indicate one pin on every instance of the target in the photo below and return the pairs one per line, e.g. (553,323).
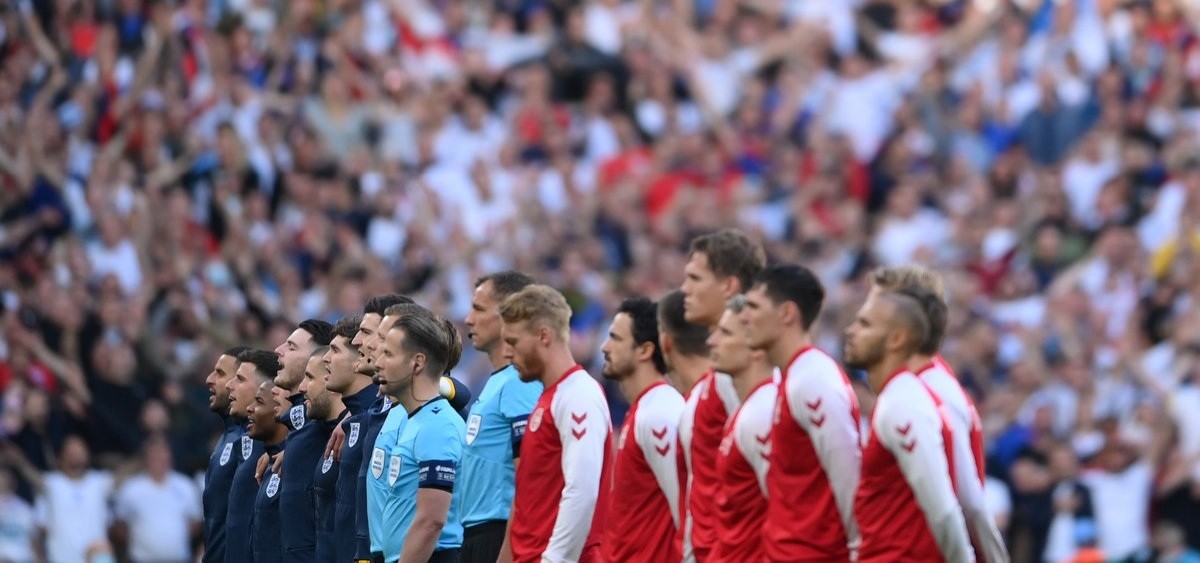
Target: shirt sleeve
(912,432)
(723,385)
(583,427)
(823,406)
(755,445)
(438,451)
(656,433)
(517,400)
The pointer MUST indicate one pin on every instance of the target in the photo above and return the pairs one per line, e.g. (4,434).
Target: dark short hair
(453,345)
(266,363)
(795,283)
(234,351)
(731,253)
(506,283)
(689,338)
(643,314)
(425,333)
(380,303)
(321,331)
(347,327)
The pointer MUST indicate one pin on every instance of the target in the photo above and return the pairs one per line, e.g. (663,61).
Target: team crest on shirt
(394,470)
(385,407)
(226,453)
(325,467)
(297,415)
(473,428)
(273,486)
(353,437)
(535,421)
(247,447)
(377,463)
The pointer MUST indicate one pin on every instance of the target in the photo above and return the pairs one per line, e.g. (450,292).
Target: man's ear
(731,286)
(791,314)
(544,335)
(645,351)
(668,345)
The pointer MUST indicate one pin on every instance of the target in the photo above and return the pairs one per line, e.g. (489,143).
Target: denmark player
(905,504)
(562,484)
(960,410)
(720,265)
(644,516)
(815,454)
(742,463)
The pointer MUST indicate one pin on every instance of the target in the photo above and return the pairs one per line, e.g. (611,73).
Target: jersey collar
(570,371)
(361,401)
(427,403)
(897,372)
(787,367)
(658,383)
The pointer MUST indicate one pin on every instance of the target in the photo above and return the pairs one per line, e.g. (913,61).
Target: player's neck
(638,382)
(745,381)
(358,383)
(686,371)
(498,358)
(878,374)
(558,360)
(785,347)
(280,435)
(336,406)
(918,362)
(423,390)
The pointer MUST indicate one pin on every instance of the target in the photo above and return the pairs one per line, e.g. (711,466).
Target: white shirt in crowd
(74,513)
(16,529)
(159,516)
(1122,502)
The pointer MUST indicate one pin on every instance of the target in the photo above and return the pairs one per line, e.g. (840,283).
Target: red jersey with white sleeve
(968,458)
(814,463)
(906,505)
(687,423)
(742,495)
(716,400)
(644,514)
(563,482)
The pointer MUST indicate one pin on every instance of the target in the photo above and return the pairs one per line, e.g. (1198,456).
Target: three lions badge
(226,453)
(353,437)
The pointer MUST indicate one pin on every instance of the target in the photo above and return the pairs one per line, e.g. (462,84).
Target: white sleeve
(913,433)
(723,385)
(989,543)
(822,406)
(656,435)
(754,450)
(583,427)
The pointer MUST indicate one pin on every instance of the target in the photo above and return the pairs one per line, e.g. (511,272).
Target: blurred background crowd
(178,176)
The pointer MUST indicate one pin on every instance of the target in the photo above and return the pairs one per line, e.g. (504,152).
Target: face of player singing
(762,318)
(364,364)
(483,322)
(727,346)
(241,390)
(704,292)
(339,365)
(293,356)
(222,373)
(262,414)
(319,400)
(527,343)
(866,336)
(620,351)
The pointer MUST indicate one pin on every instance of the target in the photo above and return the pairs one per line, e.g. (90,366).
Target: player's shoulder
(903,398)
(662,404)
(813,363)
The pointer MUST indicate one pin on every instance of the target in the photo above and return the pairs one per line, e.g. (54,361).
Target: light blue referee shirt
(379,491)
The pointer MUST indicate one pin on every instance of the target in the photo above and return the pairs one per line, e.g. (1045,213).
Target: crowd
(178,177)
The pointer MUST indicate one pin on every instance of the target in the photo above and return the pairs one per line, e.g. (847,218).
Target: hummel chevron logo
(909,446)
(579,433)
(763,439)
(813,405)
(817,421)
(659,434)
(579,418)
(903,430)
(662,450)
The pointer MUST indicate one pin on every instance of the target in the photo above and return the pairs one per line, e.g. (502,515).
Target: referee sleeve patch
(518,433)
(437,474)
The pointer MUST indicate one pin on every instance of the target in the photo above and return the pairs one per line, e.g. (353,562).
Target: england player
(964,419)
(720,265)
(267,535)
(226,456)
(358,391)
(563,482)
(815,455)
(421,520)
(905,503)
(254,368)
(305,442)
(495,427)
(325,409)
(742,494)
(643,518)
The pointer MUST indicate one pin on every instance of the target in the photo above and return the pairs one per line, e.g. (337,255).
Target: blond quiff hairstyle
(539,305)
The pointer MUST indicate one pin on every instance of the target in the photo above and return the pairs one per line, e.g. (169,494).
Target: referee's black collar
(427,403)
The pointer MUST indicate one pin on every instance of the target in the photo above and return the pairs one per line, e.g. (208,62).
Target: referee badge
(353,437)
(325,467)
(473,428)
(394,470)
(297,414)
(247,447)
(535,421)
(225,453)
(377,463)
(273,486)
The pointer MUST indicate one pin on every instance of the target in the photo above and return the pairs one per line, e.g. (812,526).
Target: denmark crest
(535,421)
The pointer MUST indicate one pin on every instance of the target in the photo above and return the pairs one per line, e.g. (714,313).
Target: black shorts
(482,542)
(439,556)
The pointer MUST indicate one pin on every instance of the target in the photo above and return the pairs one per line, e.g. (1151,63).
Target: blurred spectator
(17,524)
(72,506)
(157,510)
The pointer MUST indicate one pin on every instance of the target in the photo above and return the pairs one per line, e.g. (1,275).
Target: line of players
(742,442)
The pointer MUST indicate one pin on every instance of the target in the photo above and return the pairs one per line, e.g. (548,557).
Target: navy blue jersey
(324,500)
(373,421)
(298,521)
(344,530)
(242,495)
(218,480)
(266,534)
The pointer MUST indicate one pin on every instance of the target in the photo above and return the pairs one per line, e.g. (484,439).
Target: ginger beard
(527,345)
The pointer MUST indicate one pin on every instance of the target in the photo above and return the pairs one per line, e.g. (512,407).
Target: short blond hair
(911,275)
(541,305)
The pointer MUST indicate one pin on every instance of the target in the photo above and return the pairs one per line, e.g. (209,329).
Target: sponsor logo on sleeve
(394,470)
(377,463)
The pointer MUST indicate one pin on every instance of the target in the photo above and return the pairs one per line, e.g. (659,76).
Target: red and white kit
(563,482)
(906,505)
(644,514)
(701,428)
(814,466)
(742,495)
